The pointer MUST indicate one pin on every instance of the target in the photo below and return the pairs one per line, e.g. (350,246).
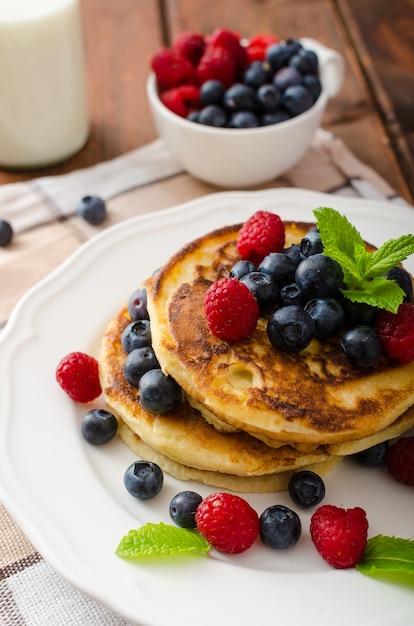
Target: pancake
(183,435)
(312,397)
(247,484)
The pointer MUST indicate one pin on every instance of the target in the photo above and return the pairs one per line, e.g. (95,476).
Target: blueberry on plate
(372,456)
(306,488)
(6,233)
(328,315)
(290,329)
(98,426)
(159,393)
(241,268)
(318,276)
(92,209)
(264,289)
(280,527)
(183,507)
(143,479)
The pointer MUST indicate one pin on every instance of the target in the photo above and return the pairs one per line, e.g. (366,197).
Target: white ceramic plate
(69,497)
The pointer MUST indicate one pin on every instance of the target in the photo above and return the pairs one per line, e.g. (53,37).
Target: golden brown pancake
(183,435)
(312,397)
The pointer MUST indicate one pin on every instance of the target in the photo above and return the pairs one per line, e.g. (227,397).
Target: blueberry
(328,315)
(98,426)
(287,77)
(183,508)
(159,393)
(241,268)
(280,267)
(318,276)
(290,329)
(263,288)
(293,252)
(138,362)
(268,98)
(278,54)
(6,233)
(372,456)
(92,209)
(361,346)
(211,92)
(136,335)
(306,61)
(297,99)
(359,313)
(257,74)
(290,294)
(274,118)
(213,115)
(193,116)
(313,84)
(306,488)
(137,305)
(403,280)
(143,479)
(311,243)
(239,97)
(244,119)
(280,527)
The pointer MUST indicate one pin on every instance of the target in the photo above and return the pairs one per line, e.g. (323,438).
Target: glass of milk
(43,107)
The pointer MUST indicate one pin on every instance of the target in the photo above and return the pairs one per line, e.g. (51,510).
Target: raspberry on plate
(171,69)
(190,45)
(400,460)
(395,332)
(181,100)
(78,375)
(231,310)
(228,522)
(261,234)
(339,535)
(216,64)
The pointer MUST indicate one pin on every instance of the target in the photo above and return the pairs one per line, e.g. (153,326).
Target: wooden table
(372,114)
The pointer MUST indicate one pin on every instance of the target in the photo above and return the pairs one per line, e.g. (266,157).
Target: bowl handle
(331,66)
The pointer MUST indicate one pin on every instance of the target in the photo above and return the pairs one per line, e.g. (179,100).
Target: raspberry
(231,310)
(171,69)
(181,100)
(339,535)
(78,375)
(400,460)
(395,332)
(230,40)
(216,64)
(257,46)
(190,45)
(263,233)
(228,522)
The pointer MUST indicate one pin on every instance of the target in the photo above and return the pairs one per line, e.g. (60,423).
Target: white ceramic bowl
(237,159)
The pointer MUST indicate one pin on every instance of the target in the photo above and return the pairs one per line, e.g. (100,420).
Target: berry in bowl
(238,113)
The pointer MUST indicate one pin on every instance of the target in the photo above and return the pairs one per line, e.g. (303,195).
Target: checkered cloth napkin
(47,230)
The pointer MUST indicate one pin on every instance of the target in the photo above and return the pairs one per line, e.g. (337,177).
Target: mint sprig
(388,555)
(160,539)
(363,270)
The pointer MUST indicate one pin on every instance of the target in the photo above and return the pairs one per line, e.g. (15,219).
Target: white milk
(43,110)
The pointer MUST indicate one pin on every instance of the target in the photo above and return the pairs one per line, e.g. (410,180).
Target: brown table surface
(372,114)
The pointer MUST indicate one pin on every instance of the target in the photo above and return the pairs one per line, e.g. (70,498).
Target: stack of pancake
(250,415)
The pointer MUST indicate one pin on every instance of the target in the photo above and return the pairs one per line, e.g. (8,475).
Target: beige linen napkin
(47,231)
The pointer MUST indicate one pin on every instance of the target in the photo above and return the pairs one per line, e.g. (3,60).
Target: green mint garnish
(160,539)
(388,555)
(363,270)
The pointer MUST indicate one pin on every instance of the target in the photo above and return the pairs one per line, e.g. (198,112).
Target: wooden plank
(119,39)
(386,54)
(352,115)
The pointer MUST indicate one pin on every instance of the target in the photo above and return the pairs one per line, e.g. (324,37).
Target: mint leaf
(160,539)
(363,270)
(387,554)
